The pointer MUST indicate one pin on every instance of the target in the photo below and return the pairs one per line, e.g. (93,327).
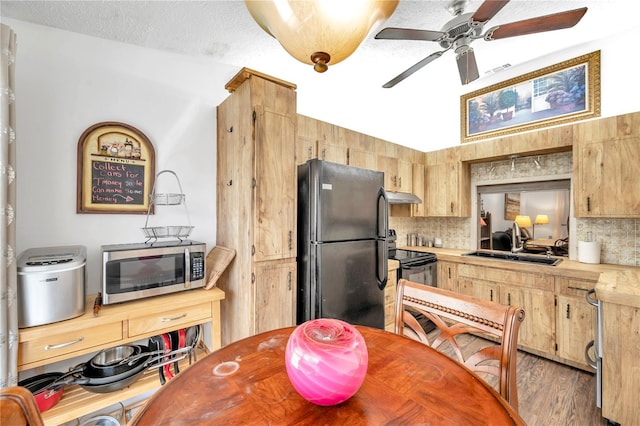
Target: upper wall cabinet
(447,185)
(607,177)
(398,174)
(317,139)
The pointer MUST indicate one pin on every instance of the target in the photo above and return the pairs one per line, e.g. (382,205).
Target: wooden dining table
(246,383)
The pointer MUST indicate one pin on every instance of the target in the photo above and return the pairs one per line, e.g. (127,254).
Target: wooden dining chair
(18,407)
(456,314)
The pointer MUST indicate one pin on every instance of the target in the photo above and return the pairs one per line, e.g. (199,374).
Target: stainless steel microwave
(136,271)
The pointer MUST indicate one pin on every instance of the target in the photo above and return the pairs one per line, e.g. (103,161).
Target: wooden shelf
(77,402)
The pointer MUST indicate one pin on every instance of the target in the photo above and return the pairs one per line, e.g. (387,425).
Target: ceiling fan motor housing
(457,28)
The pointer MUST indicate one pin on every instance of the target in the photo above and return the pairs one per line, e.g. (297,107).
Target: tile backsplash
(620,238)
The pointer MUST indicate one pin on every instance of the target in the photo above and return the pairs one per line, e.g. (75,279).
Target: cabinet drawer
(67,343)
(169,319)
(507,276)
(573,287)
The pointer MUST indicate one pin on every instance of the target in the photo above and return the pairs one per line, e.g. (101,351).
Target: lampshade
(319,32)
(541,219)
(523,221)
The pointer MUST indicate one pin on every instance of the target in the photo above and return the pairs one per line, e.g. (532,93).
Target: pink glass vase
(326,360)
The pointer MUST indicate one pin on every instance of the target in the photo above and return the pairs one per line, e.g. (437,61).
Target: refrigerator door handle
(382,252)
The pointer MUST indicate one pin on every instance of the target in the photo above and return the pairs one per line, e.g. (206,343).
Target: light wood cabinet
(447,276)
(256,205)
(115,325)
(412,210)
(363,159)
(621,349)
(275,302)
(606,174)
(535,293)
(558,321)
(390,298)
(447,185)
(318,139)
(398,174)
(575,319)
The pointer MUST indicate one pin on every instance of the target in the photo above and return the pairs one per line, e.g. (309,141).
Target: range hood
(402,198)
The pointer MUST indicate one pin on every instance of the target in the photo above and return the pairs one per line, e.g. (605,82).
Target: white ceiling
(225,32)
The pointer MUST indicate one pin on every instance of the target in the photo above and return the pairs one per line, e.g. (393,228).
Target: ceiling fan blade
(413,69)
(556,21)
(408,34)
(488,10)
(467,66)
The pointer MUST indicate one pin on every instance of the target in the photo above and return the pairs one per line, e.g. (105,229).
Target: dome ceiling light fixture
(319,32)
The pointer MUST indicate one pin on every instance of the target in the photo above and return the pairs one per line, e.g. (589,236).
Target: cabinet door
(305,149)
(275,290)
(537,331)
(436,192)
(333,153)
(363,159)
(575,322)
(418,210)
(275,187)
(606,172)
(447,190)
(389,165)
(405,176)
(390,301)
(447,276)
(486,290)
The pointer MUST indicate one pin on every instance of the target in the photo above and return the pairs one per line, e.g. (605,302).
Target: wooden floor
(550,393)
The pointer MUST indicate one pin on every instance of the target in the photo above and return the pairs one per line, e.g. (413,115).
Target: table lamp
(541,219)
(523,221)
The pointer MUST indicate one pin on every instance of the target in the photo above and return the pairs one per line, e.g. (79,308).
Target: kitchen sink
(515,257)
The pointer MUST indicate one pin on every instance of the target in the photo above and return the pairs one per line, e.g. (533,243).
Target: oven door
(419,272)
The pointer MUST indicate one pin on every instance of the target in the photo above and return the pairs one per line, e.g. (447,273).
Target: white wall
(66,83)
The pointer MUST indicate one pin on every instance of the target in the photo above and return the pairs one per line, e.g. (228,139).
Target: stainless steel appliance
(342,243)
(416,266)
(596,345)
(51,284)
(135,271)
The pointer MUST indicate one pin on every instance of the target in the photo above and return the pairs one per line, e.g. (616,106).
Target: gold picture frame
(116,170)
(558,94)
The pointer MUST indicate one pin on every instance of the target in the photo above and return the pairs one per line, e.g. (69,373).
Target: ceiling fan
(464,28)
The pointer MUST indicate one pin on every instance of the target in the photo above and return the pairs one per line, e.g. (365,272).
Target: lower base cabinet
(390,298)
(620,367)
(558,321)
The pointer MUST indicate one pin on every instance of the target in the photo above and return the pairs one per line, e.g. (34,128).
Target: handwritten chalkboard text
(117,183)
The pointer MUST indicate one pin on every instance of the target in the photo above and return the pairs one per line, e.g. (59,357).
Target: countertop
(618,284)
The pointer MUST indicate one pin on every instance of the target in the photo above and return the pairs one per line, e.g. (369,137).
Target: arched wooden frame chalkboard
(116,170)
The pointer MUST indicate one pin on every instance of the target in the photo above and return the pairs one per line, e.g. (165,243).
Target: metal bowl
(115,355)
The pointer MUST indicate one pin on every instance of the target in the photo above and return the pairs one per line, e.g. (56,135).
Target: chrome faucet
(516,239)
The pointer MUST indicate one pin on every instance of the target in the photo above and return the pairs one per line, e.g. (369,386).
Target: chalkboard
(116,170)
(117,183)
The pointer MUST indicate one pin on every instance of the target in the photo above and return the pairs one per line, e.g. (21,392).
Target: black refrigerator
(342,243)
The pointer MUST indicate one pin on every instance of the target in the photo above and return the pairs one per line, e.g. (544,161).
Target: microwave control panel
(197,266)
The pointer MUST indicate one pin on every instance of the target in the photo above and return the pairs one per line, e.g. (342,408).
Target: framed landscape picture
(511,205)
(558,94)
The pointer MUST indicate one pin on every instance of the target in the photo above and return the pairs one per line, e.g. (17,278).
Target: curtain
(8,269)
